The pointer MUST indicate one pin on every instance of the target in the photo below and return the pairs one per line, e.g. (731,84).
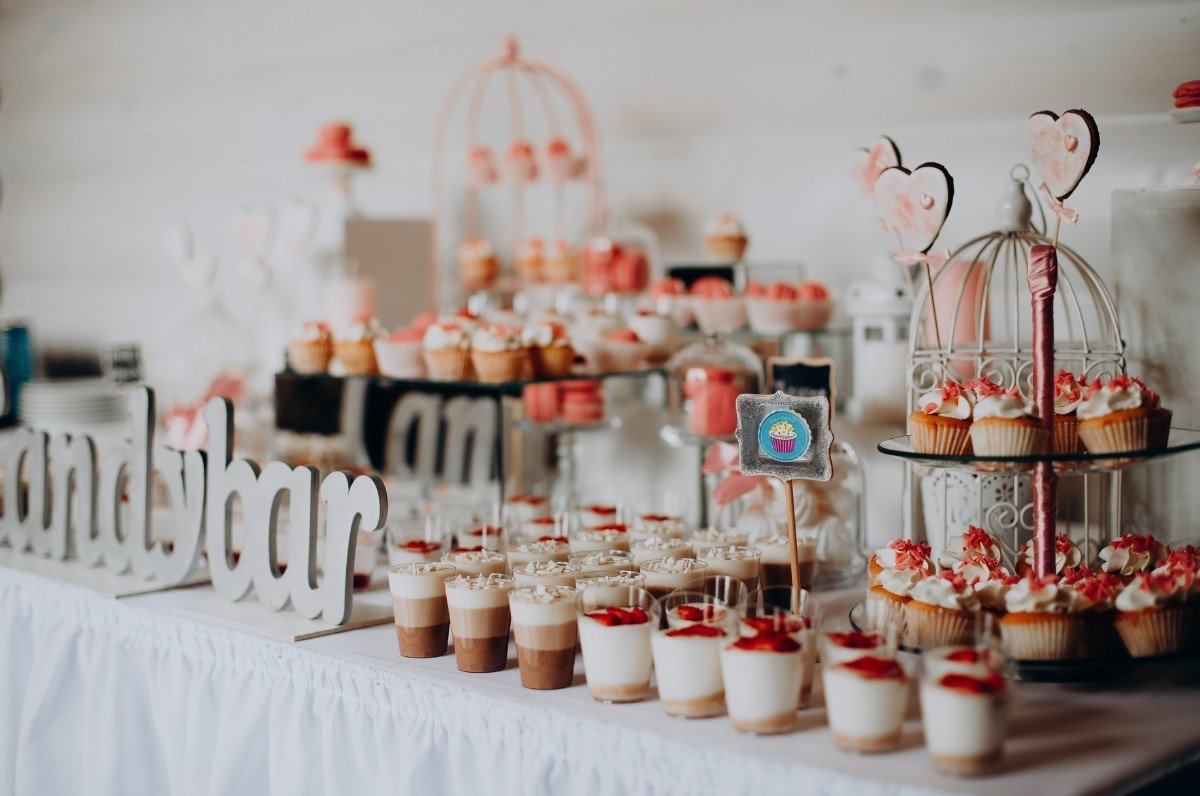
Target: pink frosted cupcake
(813,306)
(401,356)
(498,353)
(447,354)
(312,349)
(941,611)
(669,297)
(620,350)
(717,308)
(773,309)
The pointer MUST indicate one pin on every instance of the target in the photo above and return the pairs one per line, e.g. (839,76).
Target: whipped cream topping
(421,568)
(1068,393)
(948,399)
(545,334)
(548,546)
(473,556)
(447,333)
(497,337)
(606,558)
(314,332)
(672,565)
(622,578)
(730,553)
(899,581)
(661,543)
(363,330)
(476,582)
(974,540)
(548,568)
(598,535)
(1008,405)
(1118,394)
(1150,591)
(1066,554)
(976,567)
(1097,591)
(904,554)
(543,594)
(945,591)
(1131,553)
(725,225)
(1034,595)
(776,540)
(718,537)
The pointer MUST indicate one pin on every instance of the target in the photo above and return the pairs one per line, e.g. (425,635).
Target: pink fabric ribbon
(722,457)
(932,259)
(1043,281)
(1058,208)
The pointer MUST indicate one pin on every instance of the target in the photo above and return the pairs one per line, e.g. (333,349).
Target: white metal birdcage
(984,328)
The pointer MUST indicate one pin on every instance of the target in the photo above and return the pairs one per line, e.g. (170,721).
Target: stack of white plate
(70,404)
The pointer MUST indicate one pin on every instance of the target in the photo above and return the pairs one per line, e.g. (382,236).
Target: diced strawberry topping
(486,530)
(599,509)
(1073,575)
(769,641)
(985,684)
(874,668)
(854,640)
(965,656)
(422,546)
(612,617)
(1138,543)
(704,631)
(560,539)
(985,387)
(474,549)
(618,527)
(656,517)
(777,623)
(543,521)
(977,539)
(698,613)
(956,580)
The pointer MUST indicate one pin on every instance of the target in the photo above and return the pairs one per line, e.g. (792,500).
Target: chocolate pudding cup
(419,607)
(479,617)
(546,630)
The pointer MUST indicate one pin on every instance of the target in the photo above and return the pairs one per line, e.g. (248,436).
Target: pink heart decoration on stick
(866,164)
(1062,148)
(915,203)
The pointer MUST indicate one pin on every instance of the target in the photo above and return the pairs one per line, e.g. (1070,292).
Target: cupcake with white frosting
(941,423)
(1005,423)
(726,238)
(988,578)
(899,554)
(447,354)
(550,348)
(1043,620)
(1068,395)
(942,610)
(1098,592)
(355,346)
(973,540)
(1066,556)
(1153,616)
(1130,554)
(889,594)
(1116,416)
(498,353)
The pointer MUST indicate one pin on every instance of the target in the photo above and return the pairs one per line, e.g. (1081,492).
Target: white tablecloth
(100,696)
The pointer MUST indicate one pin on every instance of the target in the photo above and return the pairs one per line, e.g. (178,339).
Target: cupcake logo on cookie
(784,436)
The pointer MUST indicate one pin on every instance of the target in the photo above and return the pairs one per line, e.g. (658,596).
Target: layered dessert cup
(713,537)
(366,553)
(762,678)
(600,538)
(610,588)
(479,618)
(417,540)
(865,698)
(615,640)
(546,573)
(546,528)
(776,560)
(960,659)
(653,547)
(603,562)
(965,716)
(848,645)
(520,509)
(477,562)
(489,537)
(665,575)
(415,551)
(419,607)
(537,551)
(593,514)
(792,611)
(545,630)
(687,655)
(663,526)
(735,561)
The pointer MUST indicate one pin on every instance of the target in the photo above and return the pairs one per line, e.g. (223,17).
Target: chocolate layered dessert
(665,575)
(479,617)
(545,630)
(477,561)
(736,561)
(777,560)
(419,607)
(546,573)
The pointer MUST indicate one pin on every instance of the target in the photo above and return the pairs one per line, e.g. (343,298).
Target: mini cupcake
(478,265)
(1153,616)
(312,349)
(717,308)
(942,423)
(656,331)
(355,346)
(813,306)
(519,163)
(481,166)
(550,348)
(531,259)
(620,350)
(498,354)
(1131,554)
(771,309)
(1066,556)
(942,611)
(726,238)
(1098,593)
(1068,394)
(447,355)
(1160,420)
(974,540)
(988,578)
(1115,417)
(889,594)
(670,297)
(401,355)
(1043,620)
(562,264)
(1184,563)
(1005,423)
(561,164)
(899,554)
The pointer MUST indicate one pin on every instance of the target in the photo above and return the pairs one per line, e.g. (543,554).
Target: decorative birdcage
(983,327)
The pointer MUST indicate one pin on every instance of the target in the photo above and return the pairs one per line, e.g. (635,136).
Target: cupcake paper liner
(770,317)
(720,315)
(1066,434)
(310,357)
(932,626)
(1155,631)
(812,314)
(400,360)
(1000,437)
(448,364)
(1131,434)
(882,611)
(726,247)
(500,366)
(614,356)
(939,437)
(1049,637)
(1160,427)
(552,362)
(358,358)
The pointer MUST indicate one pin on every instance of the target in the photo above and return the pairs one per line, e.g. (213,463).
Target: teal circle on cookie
(784,436)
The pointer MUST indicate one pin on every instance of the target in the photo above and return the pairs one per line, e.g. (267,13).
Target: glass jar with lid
(703,383)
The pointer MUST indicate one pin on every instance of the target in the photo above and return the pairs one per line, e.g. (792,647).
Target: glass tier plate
(559,427)
(1181,440)
(472,386)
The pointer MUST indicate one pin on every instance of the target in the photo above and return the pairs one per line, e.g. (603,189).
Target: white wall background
(119,117)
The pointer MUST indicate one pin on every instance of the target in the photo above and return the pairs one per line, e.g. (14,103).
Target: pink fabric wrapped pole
(1043,280)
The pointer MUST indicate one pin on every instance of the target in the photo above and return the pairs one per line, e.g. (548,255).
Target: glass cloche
(703,383)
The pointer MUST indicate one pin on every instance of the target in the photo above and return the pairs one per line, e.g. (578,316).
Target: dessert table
(122,696)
